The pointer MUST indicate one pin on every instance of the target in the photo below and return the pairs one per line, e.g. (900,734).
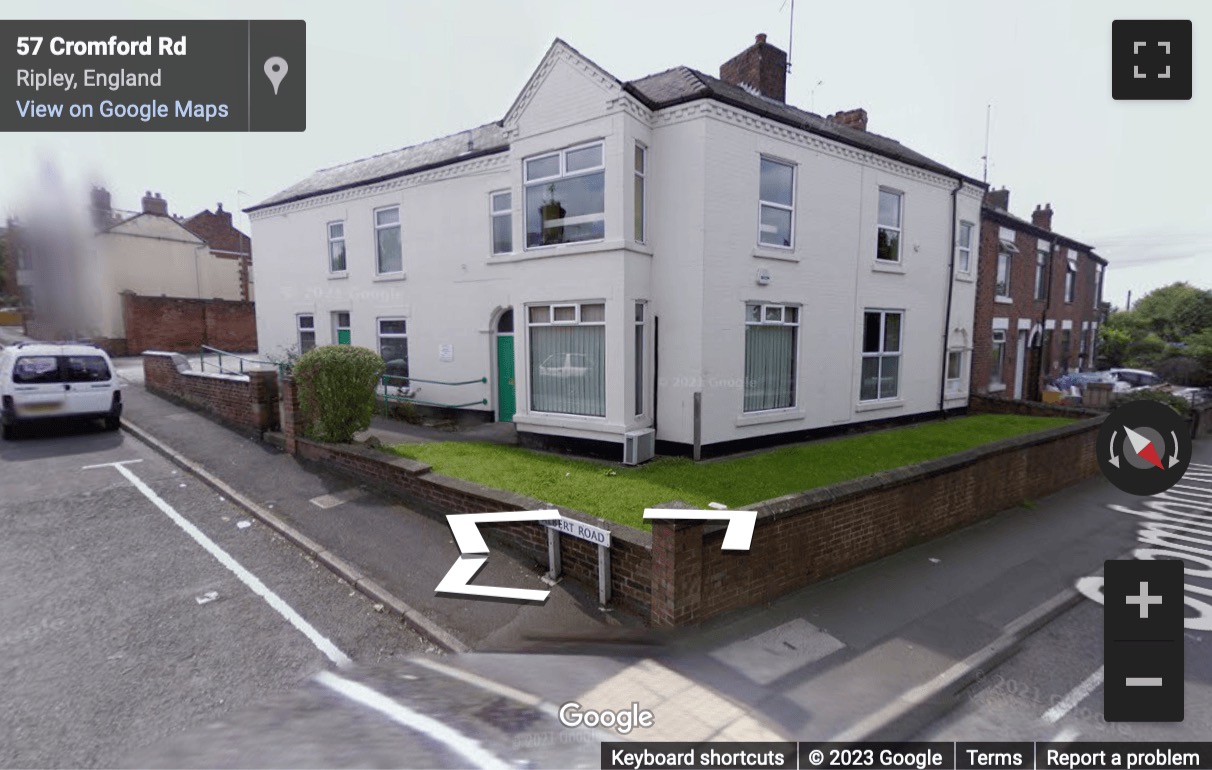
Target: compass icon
(1144,447)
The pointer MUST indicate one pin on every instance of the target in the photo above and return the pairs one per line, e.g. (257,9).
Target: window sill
(888,267)
(965,277)
(955,395)
(563,250)
(872,406)
(783,255)
(1004,300)
(640,248)
(390,277)
(771,415)
(997,388)
(338,276)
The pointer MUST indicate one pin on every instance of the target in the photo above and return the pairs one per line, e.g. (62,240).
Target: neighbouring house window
(955,370)
(888,245)
(566,196)
(964,257)
(387,241)
(1041,273)
(1081,350)
(770,356)
(776,193)
(340,327)
(999,357)
(639,358)
(307,332)
(1066,343)
(336,247)
(1070,278)
(1098,284)
(641,171)
(393,347)
(502,222)
(568,358)
(1001,286)
(881,370)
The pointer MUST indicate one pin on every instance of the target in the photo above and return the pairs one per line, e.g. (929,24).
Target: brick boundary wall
(183,324)
(981,404)
(245,402)
(680,574)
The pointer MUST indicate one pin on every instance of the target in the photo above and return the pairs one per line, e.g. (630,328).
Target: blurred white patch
(207,597)
(245,524)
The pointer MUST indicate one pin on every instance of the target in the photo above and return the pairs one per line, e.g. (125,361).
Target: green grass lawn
(622,493)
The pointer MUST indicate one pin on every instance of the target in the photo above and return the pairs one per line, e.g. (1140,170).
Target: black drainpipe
(656,370)
(942,388)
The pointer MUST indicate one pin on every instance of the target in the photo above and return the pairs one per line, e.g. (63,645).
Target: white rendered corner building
(678,253)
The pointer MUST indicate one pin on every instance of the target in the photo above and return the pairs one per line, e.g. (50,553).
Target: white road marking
(469,748)
(321,642)
(1067,735)
(1075,696)
(485,683)
(110,465)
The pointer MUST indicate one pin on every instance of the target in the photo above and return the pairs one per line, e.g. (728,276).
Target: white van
(40,381)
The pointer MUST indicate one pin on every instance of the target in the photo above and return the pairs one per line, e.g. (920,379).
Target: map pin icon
(275,70)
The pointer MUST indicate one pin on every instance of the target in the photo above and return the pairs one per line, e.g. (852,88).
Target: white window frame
(999,359)
(398,224)
(963,259)
(881,353)
(551,321)
(494,214)
(1043,263)
(764,309)
(563,173)
(640,159)
(899,229)
(762,204)
(1008,257)
(380,335)
(332,240)
(300,329)
(1071,279)
(956,384)
(337,327)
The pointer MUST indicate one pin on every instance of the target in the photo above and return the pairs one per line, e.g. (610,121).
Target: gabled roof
(216,229)
(1001,216)
(665,89)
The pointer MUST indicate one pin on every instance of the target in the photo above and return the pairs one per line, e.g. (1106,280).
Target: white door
(88,382)
(1020,363)
(37,387)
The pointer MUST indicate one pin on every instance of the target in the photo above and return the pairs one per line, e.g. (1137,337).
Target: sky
(1127,177)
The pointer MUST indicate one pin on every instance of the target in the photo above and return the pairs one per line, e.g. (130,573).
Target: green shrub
(1177,403)
(336,385)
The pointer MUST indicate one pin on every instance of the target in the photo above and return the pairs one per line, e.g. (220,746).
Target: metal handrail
(388,397)
(242,359)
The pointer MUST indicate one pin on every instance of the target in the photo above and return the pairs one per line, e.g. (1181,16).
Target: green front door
(506,390)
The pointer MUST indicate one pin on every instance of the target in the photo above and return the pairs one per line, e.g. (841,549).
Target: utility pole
(1128,304)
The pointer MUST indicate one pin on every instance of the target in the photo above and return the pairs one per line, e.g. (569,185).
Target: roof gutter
(942,388)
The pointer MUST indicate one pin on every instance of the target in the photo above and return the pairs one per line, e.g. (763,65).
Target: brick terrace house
(784,272)
(225,242)
(1037,306)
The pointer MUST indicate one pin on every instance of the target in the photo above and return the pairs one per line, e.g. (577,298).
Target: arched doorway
(507,399)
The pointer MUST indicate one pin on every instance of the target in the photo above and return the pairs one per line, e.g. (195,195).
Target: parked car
(565,365)
(41,381)
(1135,378)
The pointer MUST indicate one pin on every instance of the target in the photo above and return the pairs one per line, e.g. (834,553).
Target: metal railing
(219,356)
(404,392)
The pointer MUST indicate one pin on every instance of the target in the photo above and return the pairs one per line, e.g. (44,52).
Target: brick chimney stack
(102,210)
(221,213)
(998,199)
(856,118)
(156,205)
(760,66)
(1042,217)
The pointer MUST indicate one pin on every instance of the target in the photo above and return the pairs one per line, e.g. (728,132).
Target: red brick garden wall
(183,325)
(680,574)
(247,402)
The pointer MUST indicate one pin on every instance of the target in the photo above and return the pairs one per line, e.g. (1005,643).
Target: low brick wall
(982,404)
(183,325)
(679,573)
(246,402)
(804,538)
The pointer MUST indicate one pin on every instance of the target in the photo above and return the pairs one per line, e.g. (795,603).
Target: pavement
(876,653)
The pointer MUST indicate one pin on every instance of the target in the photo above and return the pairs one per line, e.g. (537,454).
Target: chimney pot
(1042,217)
(155,205)
(761,66)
